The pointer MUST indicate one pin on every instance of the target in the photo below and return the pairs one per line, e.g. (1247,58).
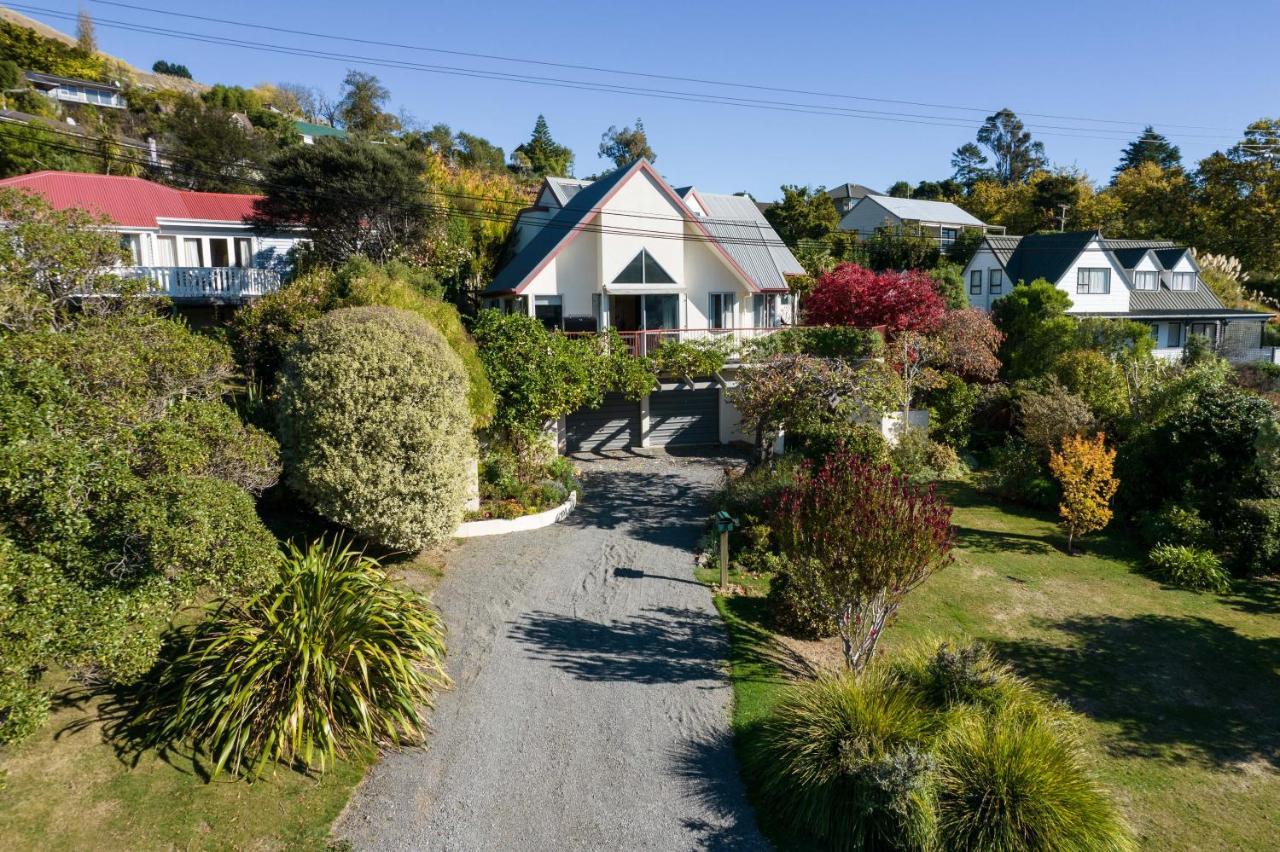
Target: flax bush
(333,658)
(1189,568)
(374,426)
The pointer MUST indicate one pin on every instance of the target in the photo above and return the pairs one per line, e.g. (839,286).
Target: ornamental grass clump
(334,658)
(860,539)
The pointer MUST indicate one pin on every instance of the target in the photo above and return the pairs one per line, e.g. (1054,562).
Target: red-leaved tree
(969,341)
(851,295)
(860,539)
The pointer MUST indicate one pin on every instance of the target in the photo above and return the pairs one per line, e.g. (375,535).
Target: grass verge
(1181,690)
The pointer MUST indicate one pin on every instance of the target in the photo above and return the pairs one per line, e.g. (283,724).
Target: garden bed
(1179,688)
(523,523)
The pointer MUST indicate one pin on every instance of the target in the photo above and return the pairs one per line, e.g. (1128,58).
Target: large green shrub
(333,658)
(374,431)
(1189,568)
(1251,536)
(1174,524)
(818,440)
(1017,474)
(791,604)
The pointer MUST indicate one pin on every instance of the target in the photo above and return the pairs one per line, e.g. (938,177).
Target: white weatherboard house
(195,247)
(628,251)
(940,219)
(1151,281)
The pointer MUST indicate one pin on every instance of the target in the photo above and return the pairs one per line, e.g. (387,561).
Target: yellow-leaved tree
(1084,467)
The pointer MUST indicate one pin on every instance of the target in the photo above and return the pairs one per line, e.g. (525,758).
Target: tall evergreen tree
(1150,147)
(1015,154)
(969,163)
(803,214)
(543,154)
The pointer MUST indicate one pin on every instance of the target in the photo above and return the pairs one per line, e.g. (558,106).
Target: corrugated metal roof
(918,210)
(565,188)
(131,201)
(746,236)
(1199,299)
(1002,246)
(1046,256)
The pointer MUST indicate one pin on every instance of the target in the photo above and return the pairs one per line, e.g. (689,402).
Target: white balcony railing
(206,283)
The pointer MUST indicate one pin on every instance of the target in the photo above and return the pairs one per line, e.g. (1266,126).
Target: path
(591,707)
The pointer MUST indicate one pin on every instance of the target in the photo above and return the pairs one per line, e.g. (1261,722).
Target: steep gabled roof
(132,202)
(1046,256)
(565,188)
(736,223)
(917,210)
(1002,246)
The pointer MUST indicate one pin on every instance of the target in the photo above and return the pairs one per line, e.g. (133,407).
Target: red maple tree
(852,295)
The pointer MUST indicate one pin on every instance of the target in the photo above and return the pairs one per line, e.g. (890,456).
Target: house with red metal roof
(193,246)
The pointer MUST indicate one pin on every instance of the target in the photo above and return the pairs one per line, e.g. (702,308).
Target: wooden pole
(724,561)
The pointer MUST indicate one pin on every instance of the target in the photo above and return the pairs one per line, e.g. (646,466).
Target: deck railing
(640,343)
(206,283)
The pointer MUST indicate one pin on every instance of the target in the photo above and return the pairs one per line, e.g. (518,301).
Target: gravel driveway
(591,707)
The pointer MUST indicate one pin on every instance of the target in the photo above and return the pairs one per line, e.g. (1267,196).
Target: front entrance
(645,320)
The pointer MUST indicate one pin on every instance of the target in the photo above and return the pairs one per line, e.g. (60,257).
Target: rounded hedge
(374,425)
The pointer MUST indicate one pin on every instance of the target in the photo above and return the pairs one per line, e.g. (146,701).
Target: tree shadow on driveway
(659,645)
(708,773)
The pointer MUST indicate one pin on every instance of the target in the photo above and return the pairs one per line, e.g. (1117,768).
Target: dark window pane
(633,272)
(653,273)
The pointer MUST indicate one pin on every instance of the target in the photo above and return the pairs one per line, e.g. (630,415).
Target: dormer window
(1146,280)
(1093,281)
(643,269)
(1183,281)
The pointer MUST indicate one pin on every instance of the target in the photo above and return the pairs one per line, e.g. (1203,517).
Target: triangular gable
(643,269)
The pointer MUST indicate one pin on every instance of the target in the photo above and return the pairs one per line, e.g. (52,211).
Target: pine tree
(1150,147)
(543,154)
(1084,468)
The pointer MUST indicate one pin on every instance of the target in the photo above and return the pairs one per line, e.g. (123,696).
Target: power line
(607,88)
(643,74)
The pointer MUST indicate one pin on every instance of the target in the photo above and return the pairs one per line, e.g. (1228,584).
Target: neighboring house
(940,219)
(135,149)
(629,251)
(310,131)
(1151,281)
(196,247)
(846,195)
(72,91)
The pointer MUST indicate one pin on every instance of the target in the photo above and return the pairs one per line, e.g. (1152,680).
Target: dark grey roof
(1002,246)
(1199,299)
(54,79)
(851,190)
(567,220)
(1046,256)
(1170,256)
(565,188)
(1129,257)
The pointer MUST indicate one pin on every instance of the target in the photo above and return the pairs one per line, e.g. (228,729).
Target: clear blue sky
(1167,63)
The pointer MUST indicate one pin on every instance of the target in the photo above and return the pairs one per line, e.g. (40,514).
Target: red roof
(132,201)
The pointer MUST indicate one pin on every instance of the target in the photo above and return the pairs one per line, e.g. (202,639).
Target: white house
(936,218)
(631,252)
(1152,281)
(69,90)
(196,247)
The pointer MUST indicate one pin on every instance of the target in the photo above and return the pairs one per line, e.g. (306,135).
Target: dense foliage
(852,295)
(862,539)
(1189,568)
(1083,468)
(374,432)
(946,750)
(332,658)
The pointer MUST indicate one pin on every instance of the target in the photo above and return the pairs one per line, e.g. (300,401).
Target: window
(1155,332)
(1149,280)
(219,253)
(720,309)
(1184,281)
(244,252)
(166,251)
(948,236)
(975,282)
(764,311)
(1175,334)
(995,281)
(192,252)
(643,269)
(132,245)
(550,310)
(662,311)
(1093,281)
(1207,330)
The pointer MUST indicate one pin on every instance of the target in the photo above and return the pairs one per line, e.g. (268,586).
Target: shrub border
(524,523)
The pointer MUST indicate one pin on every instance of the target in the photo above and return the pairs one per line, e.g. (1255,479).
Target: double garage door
(676,417)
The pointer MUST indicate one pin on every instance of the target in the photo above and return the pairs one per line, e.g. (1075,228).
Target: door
(682,417)
(615,425)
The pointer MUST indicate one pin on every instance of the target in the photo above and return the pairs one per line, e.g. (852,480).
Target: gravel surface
(591,706)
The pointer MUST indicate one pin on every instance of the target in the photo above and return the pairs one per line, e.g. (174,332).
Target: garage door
(684,417)
(615,425)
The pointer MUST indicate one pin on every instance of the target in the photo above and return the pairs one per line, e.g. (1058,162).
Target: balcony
(641,343)
(212,284)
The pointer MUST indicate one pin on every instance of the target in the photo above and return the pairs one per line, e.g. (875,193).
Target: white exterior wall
(866,216)
(639,205)
(984,261)
(1117,301)
(707,272)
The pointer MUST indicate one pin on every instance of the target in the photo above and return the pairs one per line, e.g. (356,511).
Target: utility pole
(1062,220)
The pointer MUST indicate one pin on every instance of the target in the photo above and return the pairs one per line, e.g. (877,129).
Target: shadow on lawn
(1177,689)
(1256,596)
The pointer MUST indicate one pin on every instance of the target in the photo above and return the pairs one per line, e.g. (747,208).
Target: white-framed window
(1155,332)
(720,310)
(948,236)
(1093,280)
(1174,337)
(166,251)
(975,282)
(550,310)
(192,252)
(132,245)
(1183,281)
(1206,329)
(1146,280)
(244,252)
(764,310)
(995,282)
(643,269)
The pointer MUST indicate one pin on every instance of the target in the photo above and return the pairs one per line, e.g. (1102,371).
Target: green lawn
(1182,690)
(68,787)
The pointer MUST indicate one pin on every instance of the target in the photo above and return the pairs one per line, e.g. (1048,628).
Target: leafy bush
(1175,524)
(791,604)
(845,761)
(1017,474)
(1189,568)
(755,492)
(1048,416)
(1016,781)
(920,459)
(690,358)
(818,441)
(374,433)
(333,658)
(828,341)
(851,295)
(507,481)
(1251,536)
(951,405)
